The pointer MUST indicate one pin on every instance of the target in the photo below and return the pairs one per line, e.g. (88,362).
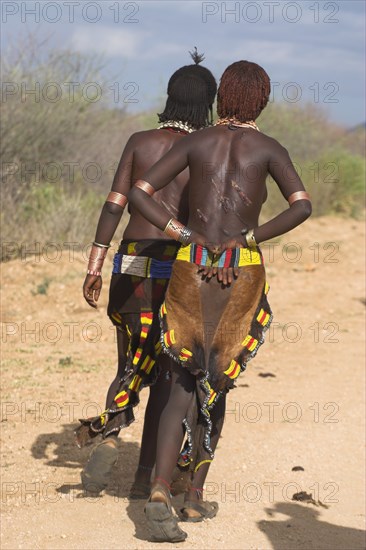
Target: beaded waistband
(142,266)
(232,257)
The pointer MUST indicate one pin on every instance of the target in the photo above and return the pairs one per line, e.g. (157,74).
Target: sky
(312,51)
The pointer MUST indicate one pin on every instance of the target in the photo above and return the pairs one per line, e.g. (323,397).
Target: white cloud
(292,54)
(158,49)
(257,50)
(121,42)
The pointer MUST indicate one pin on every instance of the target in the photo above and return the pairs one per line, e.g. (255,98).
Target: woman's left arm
(283,172)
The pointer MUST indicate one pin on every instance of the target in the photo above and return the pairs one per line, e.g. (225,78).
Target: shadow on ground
(65,454)
(304,529)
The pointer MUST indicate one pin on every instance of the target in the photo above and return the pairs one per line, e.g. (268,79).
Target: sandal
(96,474)
(139,490)
(208,510)
(160,520)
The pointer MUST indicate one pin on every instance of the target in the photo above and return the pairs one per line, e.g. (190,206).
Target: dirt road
(300,403)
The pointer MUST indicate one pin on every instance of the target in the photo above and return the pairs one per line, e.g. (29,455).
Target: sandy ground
(300,403)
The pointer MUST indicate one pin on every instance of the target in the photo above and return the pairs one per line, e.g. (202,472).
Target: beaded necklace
(234,122)
(177,124)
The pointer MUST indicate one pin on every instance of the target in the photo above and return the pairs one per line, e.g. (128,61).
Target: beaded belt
(142,266)
(232,257)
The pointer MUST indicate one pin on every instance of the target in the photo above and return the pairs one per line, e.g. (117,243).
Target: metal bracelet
(177,231)
(102,245)
(96,258)
(250,239)
(91,272)
(173,229)
(185,235)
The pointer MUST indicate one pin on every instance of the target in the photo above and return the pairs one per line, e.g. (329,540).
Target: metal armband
(117,198)
(298,196)
(145,186)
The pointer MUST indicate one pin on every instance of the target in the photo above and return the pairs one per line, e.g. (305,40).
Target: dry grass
(59,158)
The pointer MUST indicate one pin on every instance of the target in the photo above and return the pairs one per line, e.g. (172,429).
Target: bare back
(228,170)
(148,147)
(227,186)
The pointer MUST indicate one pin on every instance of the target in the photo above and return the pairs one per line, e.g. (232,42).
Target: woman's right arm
(108,222)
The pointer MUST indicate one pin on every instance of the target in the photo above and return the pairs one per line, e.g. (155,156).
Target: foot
(196,511)
(96,474)
(139,490)
(159,515)
(181,482)
(141,486)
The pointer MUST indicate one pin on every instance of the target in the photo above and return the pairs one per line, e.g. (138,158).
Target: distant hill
(361,126)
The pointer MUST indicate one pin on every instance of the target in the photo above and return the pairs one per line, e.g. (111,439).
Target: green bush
(40,208)
(335,180)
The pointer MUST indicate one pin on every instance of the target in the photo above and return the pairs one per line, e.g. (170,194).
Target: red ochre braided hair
(243,92)
(191,94)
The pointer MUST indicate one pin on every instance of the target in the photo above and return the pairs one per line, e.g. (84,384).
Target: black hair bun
(197,57)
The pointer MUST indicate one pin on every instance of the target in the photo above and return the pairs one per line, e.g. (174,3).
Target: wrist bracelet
(96,259)
(97,273)
(178,231)
(250,239)
(102,245)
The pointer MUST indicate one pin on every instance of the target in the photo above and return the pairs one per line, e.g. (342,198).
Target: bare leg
(122,345)
(158,398)
(158,511)
(195,493)
(171,430)
(103,457)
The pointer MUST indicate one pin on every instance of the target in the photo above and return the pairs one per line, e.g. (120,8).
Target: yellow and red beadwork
(136,383)
(169,338)
(212,396)
(233,370)
(147,364)
(117,318)
(185,354)
(263,317)
(121,399)
(250,343)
